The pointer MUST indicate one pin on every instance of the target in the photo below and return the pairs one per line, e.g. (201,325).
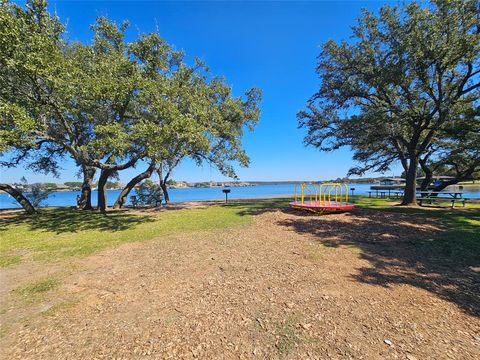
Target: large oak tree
(399,85)
(111,103)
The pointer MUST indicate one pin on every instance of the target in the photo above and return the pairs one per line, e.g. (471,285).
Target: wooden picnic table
(441,195)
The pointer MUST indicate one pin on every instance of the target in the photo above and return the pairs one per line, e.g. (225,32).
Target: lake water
(68,198)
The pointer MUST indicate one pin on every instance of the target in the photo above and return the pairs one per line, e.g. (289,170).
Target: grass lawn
(59,232)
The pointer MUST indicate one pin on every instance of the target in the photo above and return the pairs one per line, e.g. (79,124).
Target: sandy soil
(290,285)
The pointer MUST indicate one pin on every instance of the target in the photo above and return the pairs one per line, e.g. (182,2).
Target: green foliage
(38,194)
(110,103)
(49,185)
(147,193)
(29,49)
(73,184)
(112,184)
(457,154)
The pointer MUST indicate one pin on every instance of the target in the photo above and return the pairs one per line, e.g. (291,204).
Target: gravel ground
(290,285)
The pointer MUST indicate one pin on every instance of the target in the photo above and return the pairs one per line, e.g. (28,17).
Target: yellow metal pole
(332,186)
(309,189)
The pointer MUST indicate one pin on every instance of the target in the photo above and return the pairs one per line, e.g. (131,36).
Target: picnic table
(430,196)
(398,193)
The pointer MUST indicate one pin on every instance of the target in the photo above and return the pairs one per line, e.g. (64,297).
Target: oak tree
(397,87)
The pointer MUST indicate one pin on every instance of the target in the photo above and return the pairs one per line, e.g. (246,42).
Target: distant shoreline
(256,183)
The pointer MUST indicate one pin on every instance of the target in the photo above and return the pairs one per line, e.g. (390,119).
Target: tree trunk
(162,181)
(102,189)
(409,196)
(428,176)
(19,197)
(164,187)
(122,198)
(85,201)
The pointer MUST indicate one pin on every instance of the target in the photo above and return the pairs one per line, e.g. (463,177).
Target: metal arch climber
(322,198)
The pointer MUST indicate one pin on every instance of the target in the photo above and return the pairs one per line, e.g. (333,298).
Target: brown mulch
(344,286)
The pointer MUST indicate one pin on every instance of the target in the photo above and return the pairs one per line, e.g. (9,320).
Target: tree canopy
(110,103)
(401,88)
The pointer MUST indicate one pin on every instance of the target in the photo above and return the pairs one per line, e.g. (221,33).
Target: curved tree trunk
(454,181)
(85,202)
(164,187)
(409,196)
(102,189)
(162,181)
(428,176)
(122,198)
(19,197)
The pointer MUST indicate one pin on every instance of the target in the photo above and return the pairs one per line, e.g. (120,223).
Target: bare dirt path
(287,286)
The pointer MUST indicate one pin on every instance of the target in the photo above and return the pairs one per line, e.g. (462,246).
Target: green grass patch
(7,260)
(61,232)
(288,336)
(35,290)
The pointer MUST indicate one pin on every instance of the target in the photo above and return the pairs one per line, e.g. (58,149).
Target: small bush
(149,193)
(38,194)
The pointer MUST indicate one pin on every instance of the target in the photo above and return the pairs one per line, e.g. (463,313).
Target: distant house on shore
(393,181)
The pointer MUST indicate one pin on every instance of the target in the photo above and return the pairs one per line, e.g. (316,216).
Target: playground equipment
(322,198)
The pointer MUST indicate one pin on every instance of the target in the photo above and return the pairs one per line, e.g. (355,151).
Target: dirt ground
(289,285)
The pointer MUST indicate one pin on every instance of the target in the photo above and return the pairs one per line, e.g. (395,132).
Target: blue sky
(270,45)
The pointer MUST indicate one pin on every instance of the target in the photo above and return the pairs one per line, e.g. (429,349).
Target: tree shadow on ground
(258,206)
(437,251)
(64,220)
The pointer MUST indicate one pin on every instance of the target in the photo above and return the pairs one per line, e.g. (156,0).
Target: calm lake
(68,198)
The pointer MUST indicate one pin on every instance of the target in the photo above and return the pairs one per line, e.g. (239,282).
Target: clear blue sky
(270,45)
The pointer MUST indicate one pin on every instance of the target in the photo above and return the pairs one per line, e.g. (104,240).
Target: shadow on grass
(63,220)
(258,206)
(438,251)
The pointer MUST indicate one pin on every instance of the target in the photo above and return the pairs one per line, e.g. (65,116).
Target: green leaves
(111,103)
(16,127)
(395,89)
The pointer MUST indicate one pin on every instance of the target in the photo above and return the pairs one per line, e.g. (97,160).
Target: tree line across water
(110,104)
(405,88)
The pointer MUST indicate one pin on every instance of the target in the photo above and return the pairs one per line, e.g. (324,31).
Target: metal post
(226,191)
